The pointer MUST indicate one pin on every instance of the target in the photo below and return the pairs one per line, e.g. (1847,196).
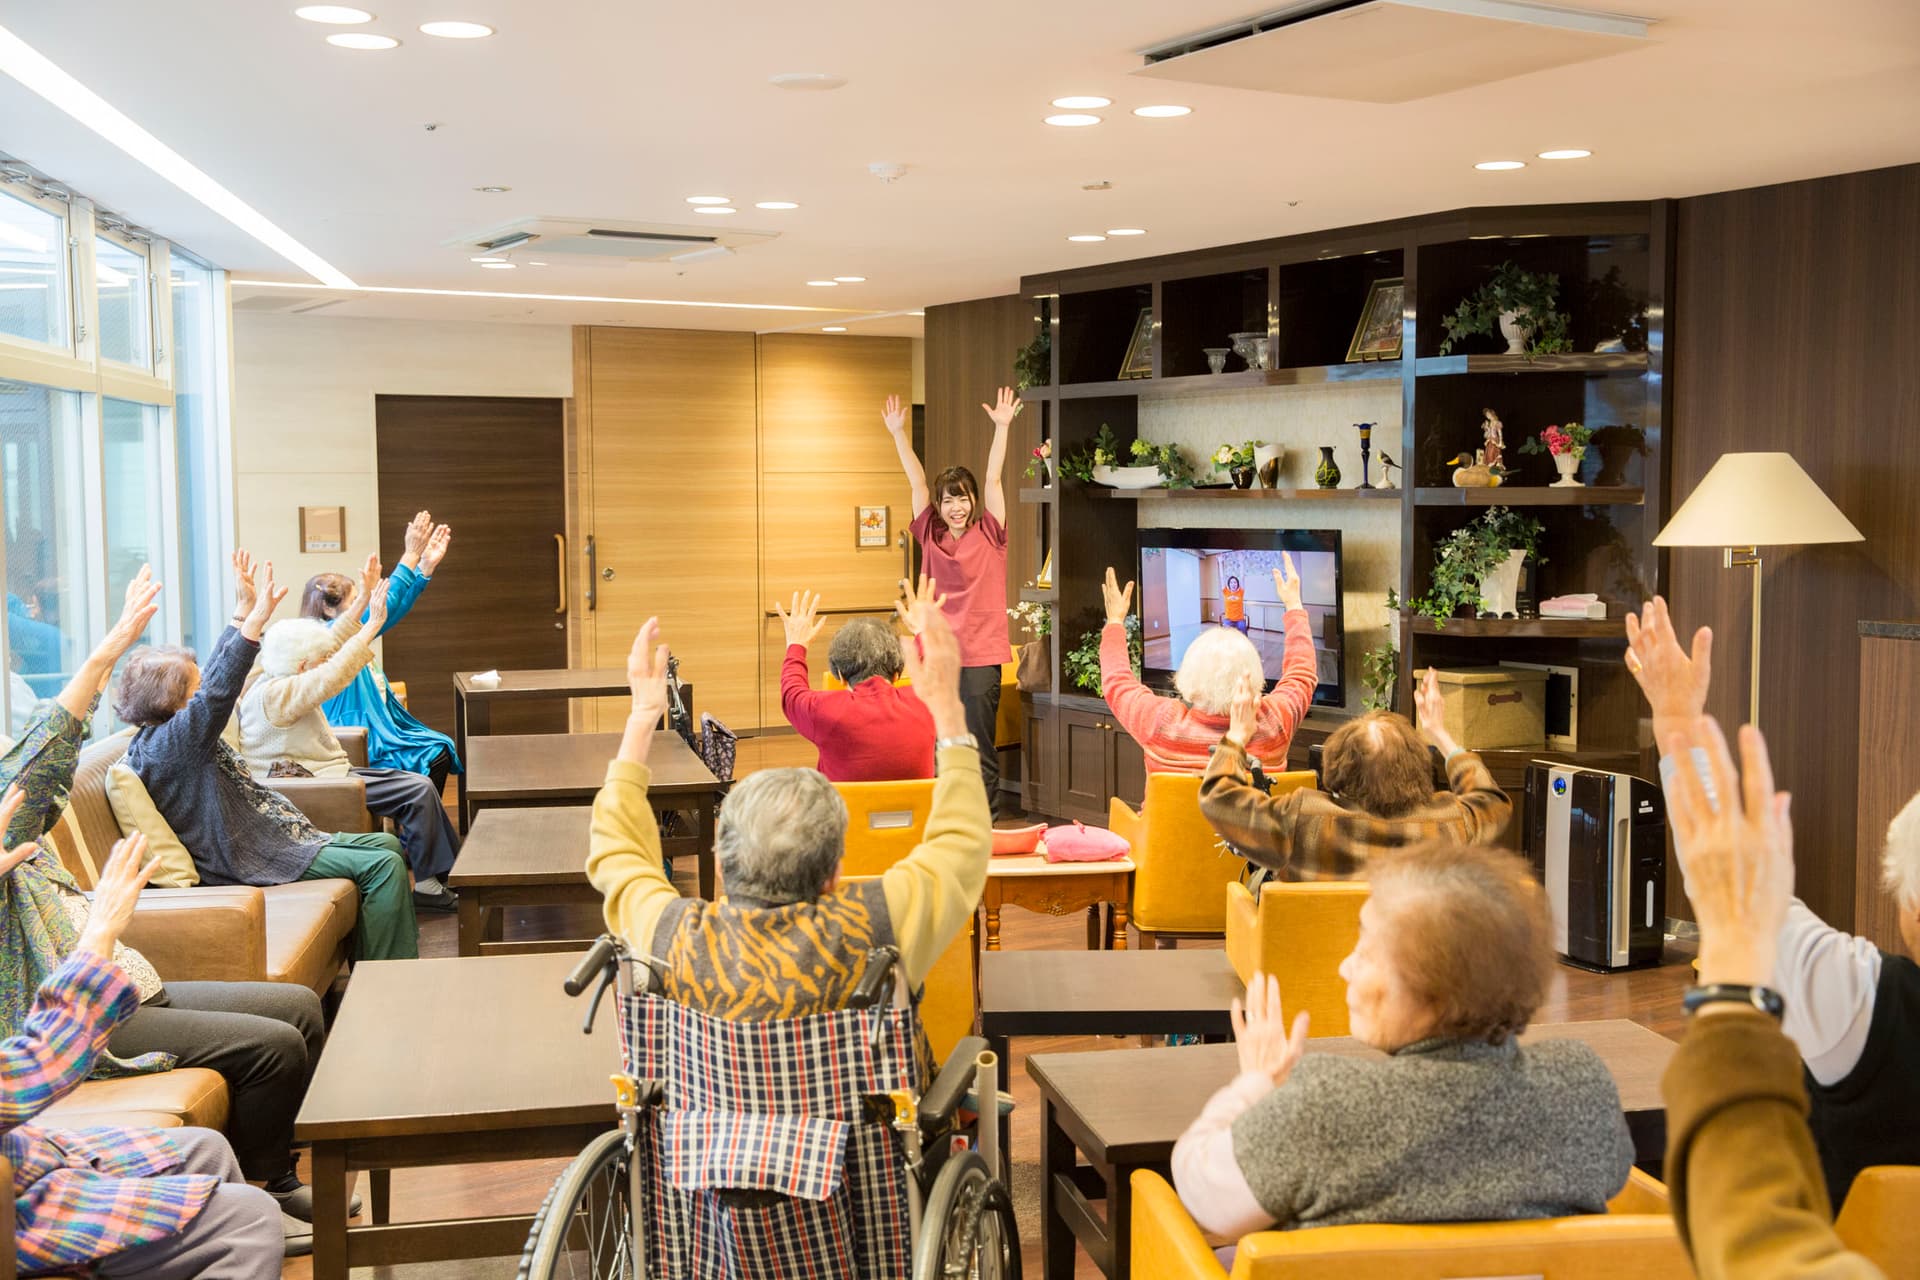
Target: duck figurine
(1475,472)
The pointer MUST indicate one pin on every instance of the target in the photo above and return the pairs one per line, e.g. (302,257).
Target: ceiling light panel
(775,204)
(362,40)
(1165,111)
(1126,231)
(1086,239)
(1084,102)
(849,279)
(708,200)
(338,15)
(1566,153)
(456,30)
(1072,120)
(715,208)
(1500,166)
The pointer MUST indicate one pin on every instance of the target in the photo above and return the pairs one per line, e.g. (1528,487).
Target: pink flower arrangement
(1571,439)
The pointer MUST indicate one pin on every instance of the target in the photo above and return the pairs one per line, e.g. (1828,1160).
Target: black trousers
(413,802)
(262,1037)
(980,696)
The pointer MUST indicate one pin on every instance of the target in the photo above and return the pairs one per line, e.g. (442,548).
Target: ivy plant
(1528,294)
(1082,662)
(1379,673)
(1467,555)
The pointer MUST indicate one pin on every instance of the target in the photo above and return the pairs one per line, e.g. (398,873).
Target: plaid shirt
(83,1194)
(1310,835)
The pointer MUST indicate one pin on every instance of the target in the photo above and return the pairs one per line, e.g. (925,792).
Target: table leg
(1120,1220)
(329,1211)
(1093,927)
(1119,926)
(1057,1158)
(704,854)
(993,926)
(380,1193)
(472,921)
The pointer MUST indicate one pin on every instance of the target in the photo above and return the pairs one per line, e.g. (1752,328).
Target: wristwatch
(1765,999)
(966,740)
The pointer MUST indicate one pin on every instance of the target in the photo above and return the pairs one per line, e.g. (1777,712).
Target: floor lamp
(1749,501)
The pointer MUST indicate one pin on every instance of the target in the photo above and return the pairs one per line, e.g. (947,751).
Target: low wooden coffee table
(1102,993)
(447,1062)
(1125,1110)
(521,858)
(541,770)
(1055,888)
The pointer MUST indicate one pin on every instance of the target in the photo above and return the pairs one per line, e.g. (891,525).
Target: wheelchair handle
(602,954)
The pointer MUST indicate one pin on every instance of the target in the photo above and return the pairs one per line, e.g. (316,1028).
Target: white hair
(1217,661)
(1900,860)
(780,836)
(291,643)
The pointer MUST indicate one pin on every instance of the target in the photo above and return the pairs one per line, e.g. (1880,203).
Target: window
(46,578)
(120,275)
(135,500)
(33,273)
(204,495)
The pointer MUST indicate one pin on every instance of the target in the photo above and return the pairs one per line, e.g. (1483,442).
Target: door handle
(593,575)
(560,551)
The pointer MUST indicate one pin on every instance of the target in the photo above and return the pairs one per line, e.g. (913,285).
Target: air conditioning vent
(610,241)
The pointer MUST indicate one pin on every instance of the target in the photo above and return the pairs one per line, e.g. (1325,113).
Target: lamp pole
(1743,558)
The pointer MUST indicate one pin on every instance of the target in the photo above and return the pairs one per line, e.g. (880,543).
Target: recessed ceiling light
(1126,231)
(1085,239)
(1085,102)
(361,40)
(496,266)
(775,204)
(1566,153)
(488,257)
(1497,166)
(456,30)
(338,15)
(714,208)
(806,81)
(493,191)
(1073,121)
(536,264)
(708,200)
(916,313)
(1166,111)
(823,284)
(849,279)
(833,328)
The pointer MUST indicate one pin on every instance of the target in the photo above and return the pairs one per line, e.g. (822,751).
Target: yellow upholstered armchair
(1881,1218)
(1183,869)
(1299,933)
(885,820)
(1635,1237)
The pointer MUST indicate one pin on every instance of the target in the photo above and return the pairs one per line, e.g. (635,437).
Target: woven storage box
(1488,708)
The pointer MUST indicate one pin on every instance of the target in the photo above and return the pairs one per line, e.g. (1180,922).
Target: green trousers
(385,929)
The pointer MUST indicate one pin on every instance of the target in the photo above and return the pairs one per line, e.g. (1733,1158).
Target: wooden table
(1099,993)
(473,703)
(1055,888)
(545,770)
(521,858)
(1124,1111)
(447,1062)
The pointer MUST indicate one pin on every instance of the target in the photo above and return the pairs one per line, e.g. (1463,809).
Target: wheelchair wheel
(584,1230)
(967,1231)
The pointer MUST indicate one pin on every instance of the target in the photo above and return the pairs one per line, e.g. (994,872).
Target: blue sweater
(395,740)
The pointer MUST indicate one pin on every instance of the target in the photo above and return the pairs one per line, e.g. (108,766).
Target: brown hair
(1469,930)
(1378,762)
(325,595)
(153,685)
(958,482)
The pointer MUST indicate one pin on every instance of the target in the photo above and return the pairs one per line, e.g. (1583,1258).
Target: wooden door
(1085,767)
(1039,753)
(493,469)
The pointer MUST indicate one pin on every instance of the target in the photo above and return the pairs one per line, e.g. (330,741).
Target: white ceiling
(621,109)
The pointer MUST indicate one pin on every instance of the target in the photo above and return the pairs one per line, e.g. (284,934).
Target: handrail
(845,609)
(560,550)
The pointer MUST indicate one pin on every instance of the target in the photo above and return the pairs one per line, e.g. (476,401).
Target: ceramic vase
(1515,330)
(1327,474)
(1242,477)
(1499,590)
(1266,464)
(1216,358)
(1569,467)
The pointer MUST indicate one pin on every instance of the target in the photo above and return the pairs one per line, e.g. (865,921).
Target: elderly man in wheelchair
(776,1113)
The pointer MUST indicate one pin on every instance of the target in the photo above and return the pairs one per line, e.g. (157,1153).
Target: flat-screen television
(1192,579)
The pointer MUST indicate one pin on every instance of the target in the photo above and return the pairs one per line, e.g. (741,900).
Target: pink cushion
(1081,843)
(1018,839)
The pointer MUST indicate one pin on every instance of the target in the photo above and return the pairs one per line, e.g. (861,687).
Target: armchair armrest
(1166,1242)
(1643,1193)
(353,740)
(215,933)
(1128,825)
(331,804)
(1243,930)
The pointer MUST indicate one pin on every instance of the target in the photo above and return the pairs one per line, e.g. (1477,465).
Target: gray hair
(291,643)
(153,683)
(1216,662)
(1900,860)
(863,649)
(781,835)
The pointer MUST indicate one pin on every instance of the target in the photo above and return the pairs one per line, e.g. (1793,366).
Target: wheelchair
(842,1169)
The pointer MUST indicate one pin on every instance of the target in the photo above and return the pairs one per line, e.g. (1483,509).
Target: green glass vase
(1327,474)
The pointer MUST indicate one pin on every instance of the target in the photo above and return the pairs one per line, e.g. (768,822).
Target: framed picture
(870,527)
(1139,361)
(323,529)
(1563,703)
(1377,336)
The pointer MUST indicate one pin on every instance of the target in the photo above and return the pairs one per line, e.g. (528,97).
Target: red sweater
(872,732)
(1178,739)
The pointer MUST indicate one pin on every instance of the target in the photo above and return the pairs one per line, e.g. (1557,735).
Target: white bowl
(1127,477)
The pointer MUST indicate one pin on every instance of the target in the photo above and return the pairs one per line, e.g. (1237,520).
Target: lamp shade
(1756,500)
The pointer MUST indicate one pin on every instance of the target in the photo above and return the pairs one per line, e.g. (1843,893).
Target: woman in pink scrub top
(962,534)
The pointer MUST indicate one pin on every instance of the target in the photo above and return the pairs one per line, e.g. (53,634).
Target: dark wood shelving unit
(1243,495)
(1633,362)
(1040,595)
(1592,495)
(1037,495)
(1524,628)
(1089,390)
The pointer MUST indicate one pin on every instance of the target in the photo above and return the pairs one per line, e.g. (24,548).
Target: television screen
(1192,579)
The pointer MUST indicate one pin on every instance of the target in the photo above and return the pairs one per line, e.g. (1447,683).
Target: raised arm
(419,529)
(1135,706)
(288,699)
(993,490)
(225,673)
(623,853)
(136,611)
(1255,823)
(894,414)
(797,696)
(1484,808)
(1292,694)
(1673,680)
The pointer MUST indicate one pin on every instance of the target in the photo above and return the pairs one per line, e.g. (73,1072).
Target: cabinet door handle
(560,550)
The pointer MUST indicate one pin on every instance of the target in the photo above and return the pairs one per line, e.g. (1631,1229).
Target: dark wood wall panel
(1797,319)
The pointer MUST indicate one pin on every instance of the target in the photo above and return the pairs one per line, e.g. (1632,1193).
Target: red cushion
(1081,843)
(1018,839)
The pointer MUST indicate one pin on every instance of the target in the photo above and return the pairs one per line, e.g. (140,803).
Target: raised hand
(1003,408)
(803,622)
(267,598)
(1244,712)
(1119,603)
(115,894)
(9,809)
(894,414)
(377,606)
(136,611)
(1674,681)
(1260,1031)
(933,665)
(1430,712)
(917,603)
(369,575)
(418,530)
(647,673)
(1736,850)
(436,549)
(243,570)
(1286,582)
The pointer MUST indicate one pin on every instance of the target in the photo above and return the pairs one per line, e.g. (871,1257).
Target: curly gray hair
(781,835)
(863,649)
(291,643)
(1900,860)
(1215,663)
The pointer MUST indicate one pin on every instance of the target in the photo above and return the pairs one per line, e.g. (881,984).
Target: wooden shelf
(1573,362)
(1525,628)
(1272,495)
(1240,380)
(1086,390)
(1040,595)
(1038,495)
(1592,495)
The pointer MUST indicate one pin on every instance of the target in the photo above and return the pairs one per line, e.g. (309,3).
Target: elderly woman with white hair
(304,662)
(1178,735)
(870,731)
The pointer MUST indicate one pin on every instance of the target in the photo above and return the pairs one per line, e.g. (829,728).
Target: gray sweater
(1442,1131)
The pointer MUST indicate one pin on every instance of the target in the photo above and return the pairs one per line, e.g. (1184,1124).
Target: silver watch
(966,740)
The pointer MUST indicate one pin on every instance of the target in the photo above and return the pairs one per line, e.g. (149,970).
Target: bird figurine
(1475,472)
(1387,467)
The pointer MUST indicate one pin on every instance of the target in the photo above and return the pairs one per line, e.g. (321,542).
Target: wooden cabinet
(1079,759)
(1039,754)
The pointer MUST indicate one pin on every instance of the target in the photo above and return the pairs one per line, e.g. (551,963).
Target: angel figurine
(1496,438)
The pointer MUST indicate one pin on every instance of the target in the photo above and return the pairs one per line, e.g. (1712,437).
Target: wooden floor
(1649,997)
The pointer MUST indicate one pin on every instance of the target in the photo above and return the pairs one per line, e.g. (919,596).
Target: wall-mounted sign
(323,529)
(870,527)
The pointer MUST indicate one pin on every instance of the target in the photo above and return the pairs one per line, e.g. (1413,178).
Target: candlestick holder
(1366,448)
